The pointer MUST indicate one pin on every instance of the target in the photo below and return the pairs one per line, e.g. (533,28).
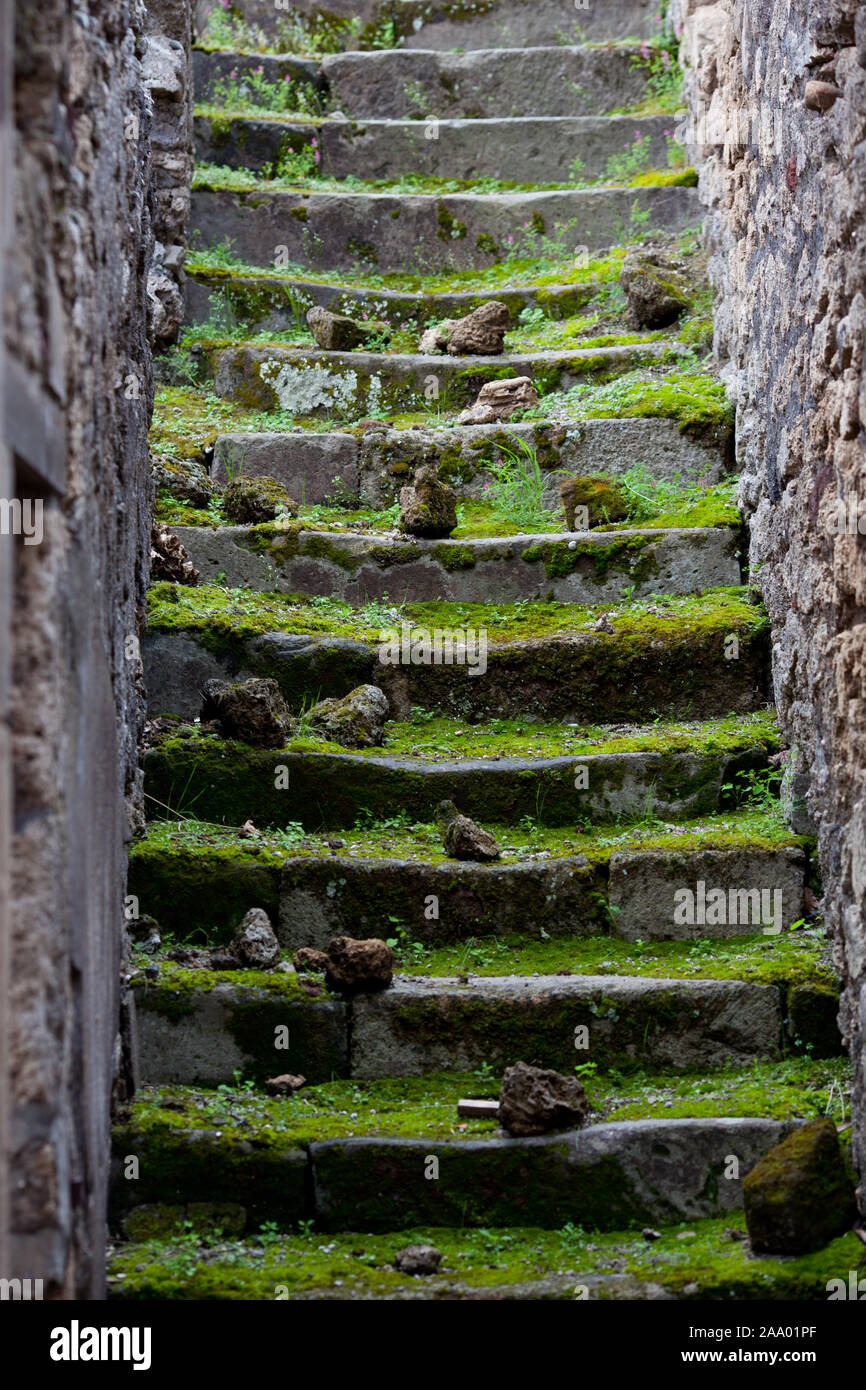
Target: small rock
(151,972)
(356,967)
(169,560)
(604,624)
(355,721)
(820,96)
(534,1100)
(429,507)
(649,1234)
(656,294)
(435,339)
(799,1196)
(334,332)
(253,711)
(188,481)
(686,1235)
(284,1085)
(733,1234)
(418,1259)
(308,958)
(500,400)
(336,844)
(145,931)
(463,839)
(601,500)
(483,331)
(248,501)
(254,943)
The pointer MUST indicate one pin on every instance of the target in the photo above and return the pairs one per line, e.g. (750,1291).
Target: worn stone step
(275,303)
(493,82)
(608,1176)
(377,464)
(712,1262)
(449,24)
(571,884)
(601,1177)
(310,381)
(698,658)
(202,1034)
(328,231)
(332,788)
(200,1031)
(520,149)
(571,567)
(210,68)
(436,1025)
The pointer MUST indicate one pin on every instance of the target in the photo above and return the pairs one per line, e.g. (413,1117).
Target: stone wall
(778,103)
(77,387)
(167,64)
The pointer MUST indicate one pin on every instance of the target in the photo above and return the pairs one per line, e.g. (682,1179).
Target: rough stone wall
(167,64)
(78,376)
(778,100)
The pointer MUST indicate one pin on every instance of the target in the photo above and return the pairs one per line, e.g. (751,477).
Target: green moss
(709,1264)
(562,558)
(454,557)
(450,228)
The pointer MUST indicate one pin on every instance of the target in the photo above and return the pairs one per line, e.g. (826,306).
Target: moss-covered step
(422,1025)
(424,24)
(601,1178)
(308,381)
(696,658)
(324,231)
(696,1261)
(553,81)
(571,567)
(200,1027)
(203,1028)
(376,464)
(524,149)
(327,788)
(276,303)
(214,71)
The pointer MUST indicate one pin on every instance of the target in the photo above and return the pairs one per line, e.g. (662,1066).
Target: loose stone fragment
(284,1085)
(358,967)
(483,331)
(534,1100)
(418,1259)
(602,501)
(254,943)
(499,400)
(188,481)
(334,332)
(799,1195)
(169,559)
(435,339)
(462,838)
(310,960)
(253,711)
(355,721)
(656,294)
(820,96)
(429,507)
(248,501)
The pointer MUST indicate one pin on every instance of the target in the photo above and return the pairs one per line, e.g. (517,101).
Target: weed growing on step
(517,486)
(252,93)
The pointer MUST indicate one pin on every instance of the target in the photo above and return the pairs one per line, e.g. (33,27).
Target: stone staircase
(618,741)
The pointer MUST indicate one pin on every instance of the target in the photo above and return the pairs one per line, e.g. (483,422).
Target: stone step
(412,84)
(202,1034)
(573,886)
(699,658)
(570,567)
(711,1261)
(493,82)
(328,231)
(599,1177)
(376,464)
(274,303)
(311,381)
(333,789)
(449,24)
(521,149)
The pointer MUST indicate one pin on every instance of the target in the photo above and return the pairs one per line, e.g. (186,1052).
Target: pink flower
(636,136)
(257,72)
(645,50)
(287,77)
(666,60)
(233,73)
(510,240)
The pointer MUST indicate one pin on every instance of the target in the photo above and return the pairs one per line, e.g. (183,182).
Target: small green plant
(517,489)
